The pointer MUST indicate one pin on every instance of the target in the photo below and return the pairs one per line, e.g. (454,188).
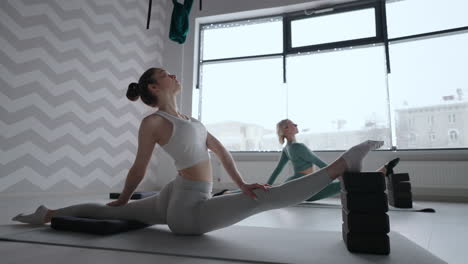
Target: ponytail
(279,130)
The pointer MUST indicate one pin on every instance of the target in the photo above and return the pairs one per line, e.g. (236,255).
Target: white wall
(256,166)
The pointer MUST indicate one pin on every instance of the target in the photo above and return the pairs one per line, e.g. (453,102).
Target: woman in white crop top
(186,204)
(157,129)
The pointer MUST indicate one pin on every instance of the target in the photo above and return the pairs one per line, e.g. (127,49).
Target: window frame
(378,38)
(381,37)
(291,16)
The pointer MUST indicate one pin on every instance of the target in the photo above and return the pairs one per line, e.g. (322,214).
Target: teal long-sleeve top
(301,157)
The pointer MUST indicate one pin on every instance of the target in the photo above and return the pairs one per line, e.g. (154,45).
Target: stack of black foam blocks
(399,190)
(365,206)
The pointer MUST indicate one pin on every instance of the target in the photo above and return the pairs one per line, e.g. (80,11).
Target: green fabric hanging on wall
(180,21)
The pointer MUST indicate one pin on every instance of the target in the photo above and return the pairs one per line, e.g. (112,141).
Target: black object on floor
(220,192)
(390,165)
(399,177)
(94,226)
(400,195)
(399,187)
(372,243)
(402,203)
(326,205)
(135,195)
(365,221)
(364,202)
(427,210)
(399,190)
(363,182)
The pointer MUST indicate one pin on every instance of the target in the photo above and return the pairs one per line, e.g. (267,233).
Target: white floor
(443,233)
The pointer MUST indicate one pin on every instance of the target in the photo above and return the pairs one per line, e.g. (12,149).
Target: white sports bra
(187,145)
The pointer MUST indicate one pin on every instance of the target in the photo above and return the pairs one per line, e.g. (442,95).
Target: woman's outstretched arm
(228,163)
(147,139)
(283,160)
(226,159)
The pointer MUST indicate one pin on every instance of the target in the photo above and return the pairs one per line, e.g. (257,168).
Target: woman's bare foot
(354,156)
(36,218)
(351,160)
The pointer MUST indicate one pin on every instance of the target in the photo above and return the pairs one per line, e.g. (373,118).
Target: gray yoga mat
(336,204)
(6,230)
(242,243)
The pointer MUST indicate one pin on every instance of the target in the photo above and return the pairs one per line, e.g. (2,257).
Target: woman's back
(302,157)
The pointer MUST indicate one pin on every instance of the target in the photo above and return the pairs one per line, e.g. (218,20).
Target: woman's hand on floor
(248,189)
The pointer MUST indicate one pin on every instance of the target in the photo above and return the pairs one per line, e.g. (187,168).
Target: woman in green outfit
(303,160)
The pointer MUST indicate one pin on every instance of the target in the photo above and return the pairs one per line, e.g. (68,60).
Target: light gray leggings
(187,207)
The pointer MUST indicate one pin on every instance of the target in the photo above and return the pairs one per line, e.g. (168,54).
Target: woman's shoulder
(156,127)
(155,122)
(298,145)
(153,119)
(294,147)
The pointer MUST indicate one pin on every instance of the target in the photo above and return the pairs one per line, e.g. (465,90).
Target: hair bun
(133,92)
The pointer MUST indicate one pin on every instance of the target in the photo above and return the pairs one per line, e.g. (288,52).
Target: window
(411,120)
(239,39)
(334,72)
(412,17)
(426,75)
(340,27)
(253,92)
(453,135)
(253,87)
(430,120)
(451,118)
(333,105)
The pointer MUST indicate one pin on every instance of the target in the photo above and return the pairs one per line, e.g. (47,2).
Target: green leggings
(331,189)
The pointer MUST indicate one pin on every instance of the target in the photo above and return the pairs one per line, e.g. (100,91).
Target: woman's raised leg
(226,210)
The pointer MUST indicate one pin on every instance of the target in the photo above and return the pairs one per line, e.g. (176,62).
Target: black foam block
(94,226)
(135,195)
(400,195)
(363,182)
(400,200)
(371,243)
(398,177)
(365,222)
(399,186)
(399,203)
(364,202)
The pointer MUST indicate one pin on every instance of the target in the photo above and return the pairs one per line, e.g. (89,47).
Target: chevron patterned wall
(65,123)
